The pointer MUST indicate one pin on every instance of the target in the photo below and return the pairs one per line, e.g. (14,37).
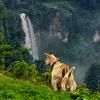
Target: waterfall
(55,25)
(96,37)
(66,35)
(30,39)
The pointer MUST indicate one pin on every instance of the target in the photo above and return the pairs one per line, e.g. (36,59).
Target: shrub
(32,72)
(21,69)
(46,78)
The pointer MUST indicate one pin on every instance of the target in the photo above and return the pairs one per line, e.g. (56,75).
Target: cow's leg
(54,84)
(63,86)
(55,87)
(64,82)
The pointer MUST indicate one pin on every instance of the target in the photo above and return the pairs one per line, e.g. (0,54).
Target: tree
(6,51)
(89,4)
(93,77)
(2,9)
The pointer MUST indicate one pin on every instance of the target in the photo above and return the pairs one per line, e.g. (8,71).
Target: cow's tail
(65,78)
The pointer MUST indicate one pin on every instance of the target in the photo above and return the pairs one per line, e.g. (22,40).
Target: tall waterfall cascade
(30,39)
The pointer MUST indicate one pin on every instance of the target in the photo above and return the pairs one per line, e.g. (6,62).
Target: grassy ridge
(14,89)
(20,90)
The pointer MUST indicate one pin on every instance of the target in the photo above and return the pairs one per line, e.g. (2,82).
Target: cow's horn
(46,54)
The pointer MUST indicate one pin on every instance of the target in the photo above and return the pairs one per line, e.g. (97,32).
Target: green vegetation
(23,82)
(15,89)
(21,69)
(6,52)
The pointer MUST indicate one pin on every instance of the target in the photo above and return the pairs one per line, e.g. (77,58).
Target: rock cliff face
(63,28)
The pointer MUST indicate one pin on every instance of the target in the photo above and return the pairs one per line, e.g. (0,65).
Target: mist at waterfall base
(30,39)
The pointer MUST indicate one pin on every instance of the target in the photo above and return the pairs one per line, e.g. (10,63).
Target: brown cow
(60,75)
(58,70)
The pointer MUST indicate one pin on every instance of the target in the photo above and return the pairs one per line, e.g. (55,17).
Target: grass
(15,89)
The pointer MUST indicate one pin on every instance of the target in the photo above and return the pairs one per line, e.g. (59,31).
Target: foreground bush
(21,69)
(46,78)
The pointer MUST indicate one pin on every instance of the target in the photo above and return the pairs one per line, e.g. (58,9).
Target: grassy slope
(14,89)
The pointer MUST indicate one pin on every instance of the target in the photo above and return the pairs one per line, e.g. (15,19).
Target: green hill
(15,89)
